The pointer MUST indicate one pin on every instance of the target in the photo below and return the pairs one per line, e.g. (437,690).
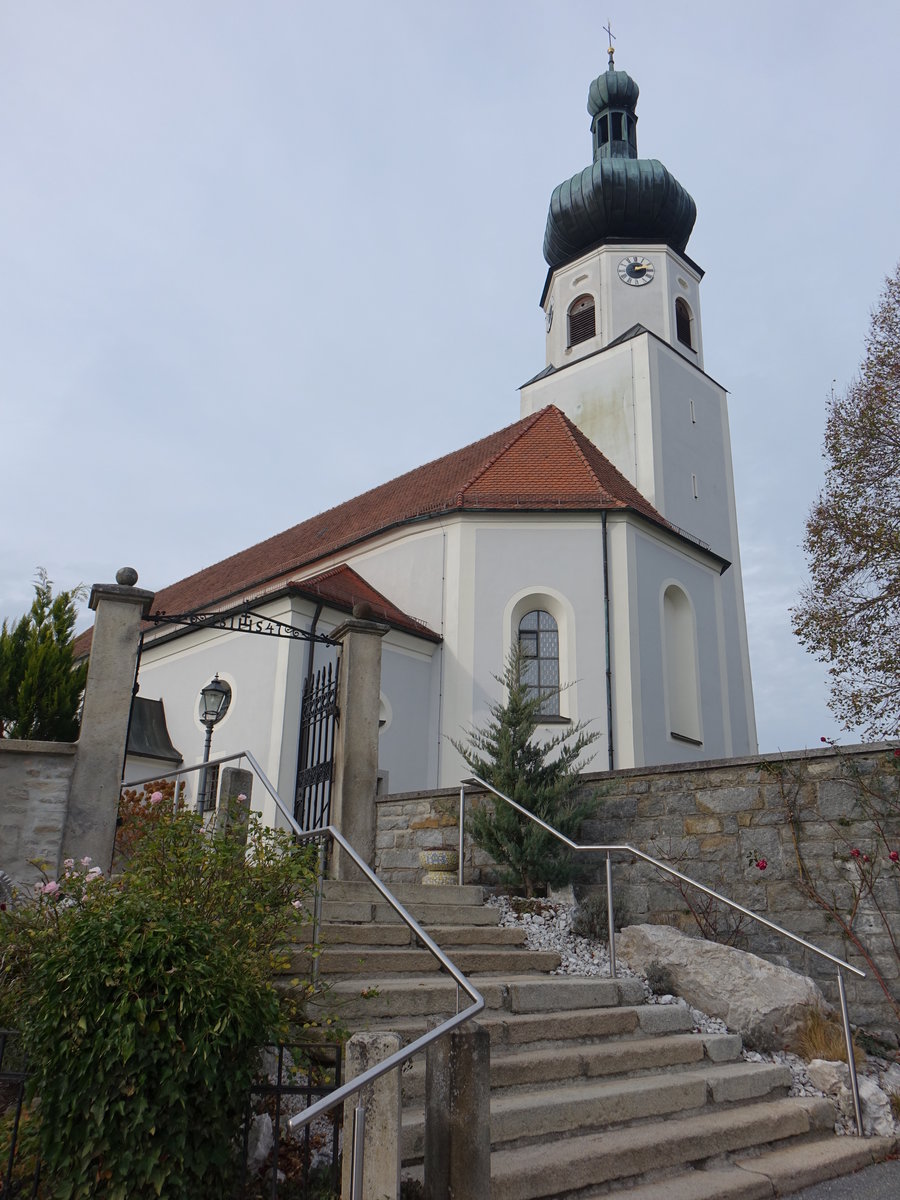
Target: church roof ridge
(521,428)
(530,472)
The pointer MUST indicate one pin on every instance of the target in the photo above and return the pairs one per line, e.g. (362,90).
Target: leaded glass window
(539,648)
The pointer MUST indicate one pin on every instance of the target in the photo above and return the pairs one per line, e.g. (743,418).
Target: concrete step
(509,1030)
(526,1067)
(524,1117)
(566,1166)
(425,914)
(433,995)
(778,1172)
(361,891)
(381,961)
(347,933)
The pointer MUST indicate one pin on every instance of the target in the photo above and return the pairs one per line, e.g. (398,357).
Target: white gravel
(550,928)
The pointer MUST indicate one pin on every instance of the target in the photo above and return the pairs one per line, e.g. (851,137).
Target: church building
(598,531)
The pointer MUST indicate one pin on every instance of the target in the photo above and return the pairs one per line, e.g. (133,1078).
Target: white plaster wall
(618,305)
(654,563)
(504,559)
(405,743)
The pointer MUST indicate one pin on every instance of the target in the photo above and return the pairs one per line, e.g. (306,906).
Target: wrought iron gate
(315,761)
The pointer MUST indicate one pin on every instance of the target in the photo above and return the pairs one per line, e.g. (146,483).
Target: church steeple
(620,196)
(612,100)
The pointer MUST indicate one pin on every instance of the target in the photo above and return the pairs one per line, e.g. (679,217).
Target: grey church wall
(410,570)
(403,744)
(714,821)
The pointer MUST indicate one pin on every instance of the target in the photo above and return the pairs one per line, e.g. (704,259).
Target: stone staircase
(592,1091)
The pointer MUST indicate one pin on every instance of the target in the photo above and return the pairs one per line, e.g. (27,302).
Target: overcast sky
(256,257)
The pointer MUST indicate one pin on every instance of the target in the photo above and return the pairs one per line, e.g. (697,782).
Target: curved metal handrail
(666,869)
(395,1060)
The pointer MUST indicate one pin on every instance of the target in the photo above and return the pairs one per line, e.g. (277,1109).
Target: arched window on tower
(582,320)
(539,648)
(680,650)
(684,323)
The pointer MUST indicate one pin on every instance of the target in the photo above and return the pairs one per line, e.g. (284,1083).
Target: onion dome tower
(615,241)
(619,195)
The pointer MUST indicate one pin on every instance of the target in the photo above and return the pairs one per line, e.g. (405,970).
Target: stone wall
(715,821)
(34,792)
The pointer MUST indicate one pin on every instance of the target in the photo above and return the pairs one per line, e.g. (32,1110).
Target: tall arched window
(582,320)
(684,323)
(539,647)
(679,647)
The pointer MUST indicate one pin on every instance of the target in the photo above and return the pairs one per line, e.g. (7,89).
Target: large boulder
(764,1003)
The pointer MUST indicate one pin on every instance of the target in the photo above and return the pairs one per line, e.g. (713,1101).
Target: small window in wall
(582,320)
(604,130)
(539,647)
(684,323)
(679,647)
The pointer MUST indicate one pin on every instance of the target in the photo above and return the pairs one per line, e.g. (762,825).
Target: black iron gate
(315,761)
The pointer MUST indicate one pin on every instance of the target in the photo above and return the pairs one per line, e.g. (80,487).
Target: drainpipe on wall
(609,703)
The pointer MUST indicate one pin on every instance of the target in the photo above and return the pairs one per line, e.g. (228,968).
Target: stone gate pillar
(90,826)
(356,738)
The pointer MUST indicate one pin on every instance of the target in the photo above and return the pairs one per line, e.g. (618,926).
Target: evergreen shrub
(541,775)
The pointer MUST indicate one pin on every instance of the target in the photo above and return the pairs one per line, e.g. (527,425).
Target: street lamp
(214,701)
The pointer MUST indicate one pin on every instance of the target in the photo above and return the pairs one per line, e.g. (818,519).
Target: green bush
(143,1001)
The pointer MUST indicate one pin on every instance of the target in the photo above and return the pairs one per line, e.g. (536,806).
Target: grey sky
(257,257)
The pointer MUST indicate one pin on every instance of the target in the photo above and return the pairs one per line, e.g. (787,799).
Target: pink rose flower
(156,797)
(50,888)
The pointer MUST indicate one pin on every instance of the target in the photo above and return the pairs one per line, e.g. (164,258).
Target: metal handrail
(666,869)
(394,1060)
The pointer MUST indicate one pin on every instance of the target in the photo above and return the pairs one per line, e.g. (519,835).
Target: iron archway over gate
(318,704)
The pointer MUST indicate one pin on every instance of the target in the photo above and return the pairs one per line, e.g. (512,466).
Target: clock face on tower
(635,270)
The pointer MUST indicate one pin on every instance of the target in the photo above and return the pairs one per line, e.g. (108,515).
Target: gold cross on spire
(612,37)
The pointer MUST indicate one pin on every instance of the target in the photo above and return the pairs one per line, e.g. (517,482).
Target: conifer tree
(40,687)
(849,615)
(542,776)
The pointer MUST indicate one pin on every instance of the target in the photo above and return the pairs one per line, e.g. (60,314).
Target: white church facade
(598,531)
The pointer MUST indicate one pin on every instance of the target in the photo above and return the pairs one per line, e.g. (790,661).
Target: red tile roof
(342,588)
(541,463)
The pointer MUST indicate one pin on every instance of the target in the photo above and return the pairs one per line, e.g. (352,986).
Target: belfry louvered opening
(582,320)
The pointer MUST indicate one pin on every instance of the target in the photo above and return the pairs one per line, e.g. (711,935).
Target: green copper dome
(612,89)
(619,195)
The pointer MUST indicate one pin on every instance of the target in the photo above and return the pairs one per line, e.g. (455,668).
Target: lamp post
(214,701)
